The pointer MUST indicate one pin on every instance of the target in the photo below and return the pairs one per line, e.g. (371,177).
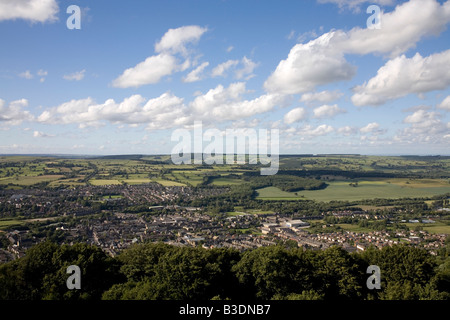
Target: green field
(235,213)
(24,171)
(116,196)
(256,211)
(28,181)
(103,182)
(168,183)
(437,228)
(366,189)
(187,177)
(8,223)
(226,181)
(136,181)
(274,193)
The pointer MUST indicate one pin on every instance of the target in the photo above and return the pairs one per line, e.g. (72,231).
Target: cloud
(31,10)
(245,72)
(39,134)
(26,75)
(13,113)
(347,130)
(166,111)
(247,69)
(356,4)
(320,130)
(291,35)
(322,96)
(445,104)
(221,104)
(162,112)
(402,76)
(195,75)
(309,65)
(76,76)
(424,118)
(149,71)
(155,67)
(400,29)
(295,115)
(218,96)
(327,111)
(423,127)
(322,60)
(308,35)
(175,40)
(373,128)
(222,68)
(42,73)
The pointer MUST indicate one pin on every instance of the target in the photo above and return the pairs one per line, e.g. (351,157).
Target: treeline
(164,272)
(287,183)
(343,173)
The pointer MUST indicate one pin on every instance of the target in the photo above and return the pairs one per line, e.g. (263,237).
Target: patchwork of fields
(365,189)
(429,176)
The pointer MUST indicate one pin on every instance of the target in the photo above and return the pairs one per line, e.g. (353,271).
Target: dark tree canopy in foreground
(158,271)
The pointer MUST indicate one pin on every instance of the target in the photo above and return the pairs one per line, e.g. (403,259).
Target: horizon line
(224,154)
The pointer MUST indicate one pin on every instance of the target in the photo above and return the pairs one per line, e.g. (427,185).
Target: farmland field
(8,223)
(27,181)
(366,189)
(436,228)
(396,177)
(136,181)
(103,182)
(168,183)
(274,193)
(226,181)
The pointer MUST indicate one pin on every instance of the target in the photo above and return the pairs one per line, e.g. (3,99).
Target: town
(114,217)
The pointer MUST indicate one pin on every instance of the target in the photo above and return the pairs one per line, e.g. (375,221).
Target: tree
(41,273)
(269,271)
(338,275)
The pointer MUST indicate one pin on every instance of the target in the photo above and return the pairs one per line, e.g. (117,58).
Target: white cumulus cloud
(31,10)
(149,71)
(322,96)
(322,60)
(175,40)
(309,65)
(327,111)
(402,76)
(195,75)
(221,69)
(246,71)
(445,104)
(154,68)
(295,115)
(14,113)
(373,128)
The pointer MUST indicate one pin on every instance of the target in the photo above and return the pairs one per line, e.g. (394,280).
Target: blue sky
(138,70)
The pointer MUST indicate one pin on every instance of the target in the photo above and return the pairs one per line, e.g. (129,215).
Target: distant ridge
(140,156)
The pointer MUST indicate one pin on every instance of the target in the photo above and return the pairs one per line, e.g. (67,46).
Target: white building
(296,223)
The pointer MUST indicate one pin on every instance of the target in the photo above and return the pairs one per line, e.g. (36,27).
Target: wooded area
(157,271)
